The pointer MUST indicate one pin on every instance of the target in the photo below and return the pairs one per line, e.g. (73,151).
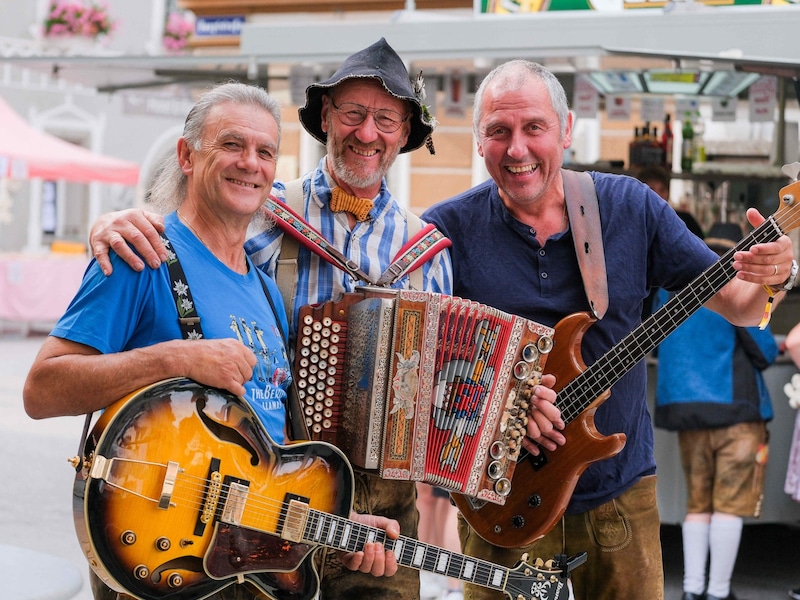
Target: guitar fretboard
(576,396)
(350,536)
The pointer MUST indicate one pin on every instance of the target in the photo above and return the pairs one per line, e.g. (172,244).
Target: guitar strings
(586,385)
(575,397)
(190,491)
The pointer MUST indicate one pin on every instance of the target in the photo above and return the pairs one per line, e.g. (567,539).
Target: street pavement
(40,558)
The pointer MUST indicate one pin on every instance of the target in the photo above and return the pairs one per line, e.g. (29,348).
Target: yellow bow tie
(341,201)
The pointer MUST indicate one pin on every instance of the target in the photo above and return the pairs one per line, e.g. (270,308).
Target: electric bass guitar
(180,492)
(542,485)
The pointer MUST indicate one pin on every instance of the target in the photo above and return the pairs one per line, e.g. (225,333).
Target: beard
(345,172)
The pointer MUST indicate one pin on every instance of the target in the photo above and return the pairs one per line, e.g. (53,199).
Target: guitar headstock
(544,580)
(786,216)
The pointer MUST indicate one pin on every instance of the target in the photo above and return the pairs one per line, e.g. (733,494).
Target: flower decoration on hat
(418,85)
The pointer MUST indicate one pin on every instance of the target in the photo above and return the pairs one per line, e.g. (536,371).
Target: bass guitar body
(543,485)
(181,493)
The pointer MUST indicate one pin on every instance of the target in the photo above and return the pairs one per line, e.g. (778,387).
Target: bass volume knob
(518,521)
(534,500)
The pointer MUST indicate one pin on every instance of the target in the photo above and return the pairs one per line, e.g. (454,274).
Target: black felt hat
(723,236)
(378,61)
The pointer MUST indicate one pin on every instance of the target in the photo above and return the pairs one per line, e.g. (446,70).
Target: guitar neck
(576,396)
(349,536)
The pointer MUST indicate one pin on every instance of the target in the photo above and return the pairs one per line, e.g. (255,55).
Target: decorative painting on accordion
(420,386)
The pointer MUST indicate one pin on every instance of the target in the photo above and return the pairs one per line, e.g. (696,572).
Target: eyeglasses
(352,114)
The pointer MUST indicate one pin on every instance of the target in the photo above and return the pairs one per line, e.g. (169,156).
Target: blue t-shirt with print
(130,309)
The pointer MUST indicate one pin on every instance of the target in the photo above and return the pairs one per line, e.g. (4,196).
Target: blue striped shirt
(372,244)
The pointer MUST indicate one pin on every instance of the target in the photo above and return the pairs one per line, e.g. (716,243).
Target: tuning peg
(791,170)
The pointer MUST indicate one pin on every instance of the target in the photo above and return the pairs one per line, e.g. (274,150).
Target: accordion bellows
(420,386)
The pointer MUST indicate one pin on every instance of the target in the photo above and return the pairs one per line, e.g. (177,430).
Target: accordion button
(502,487)
(521,370)
(530,353)
(497,450)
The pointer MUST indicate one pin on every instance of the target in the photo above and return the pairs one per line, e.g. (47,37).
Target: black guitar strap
(188,319)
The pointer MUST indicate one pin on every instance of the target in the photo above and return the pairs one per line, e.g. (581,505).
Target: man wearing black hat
(366,113)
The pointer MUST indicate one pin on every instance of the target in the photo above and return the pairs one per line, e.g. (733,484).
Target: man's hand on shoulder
(116,230)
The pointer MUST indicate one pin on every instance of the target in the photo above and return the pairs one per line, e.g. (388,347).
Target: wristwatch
(789,283)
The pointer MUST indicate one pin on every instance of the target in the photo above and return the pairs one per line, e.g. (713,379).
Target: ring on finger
(776,269)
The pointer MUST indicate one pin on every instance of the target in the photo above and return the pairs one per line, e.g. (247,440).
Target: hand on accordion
(374,558)
(544,418)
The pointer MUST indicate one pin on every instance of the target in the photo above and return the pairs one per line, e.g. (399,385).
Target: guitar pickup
(293,520)
(233,508)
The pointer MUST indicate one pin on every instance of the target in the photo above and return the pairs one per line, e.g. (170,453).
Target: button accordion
(420,386)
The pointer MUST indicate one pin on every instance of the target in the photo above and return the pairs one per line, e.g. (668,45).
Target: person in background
(658,179)
(513,249)
(792,483)
(437,526)
(712,392)
(366,113)
(792,344)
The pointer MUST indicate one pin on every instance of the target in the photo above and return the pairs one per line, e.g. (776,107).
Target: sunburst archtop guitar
(180,492)
(542,485)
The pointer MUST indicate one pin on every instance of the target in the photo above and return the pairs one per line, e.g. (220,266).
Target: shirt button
(541,252)
(544,275)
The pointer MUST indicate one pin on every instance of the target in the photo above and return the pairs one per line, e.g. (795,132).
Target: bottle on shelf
(656,150)
(666,143)
(687,146)
(699,127)
(633,150)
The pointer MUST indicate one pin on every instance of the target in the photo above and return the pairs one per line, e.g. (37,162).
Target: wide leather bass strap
(584,219)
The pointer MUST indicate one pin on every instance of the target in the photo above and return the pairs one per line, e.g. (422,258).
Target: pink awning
(27,153)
